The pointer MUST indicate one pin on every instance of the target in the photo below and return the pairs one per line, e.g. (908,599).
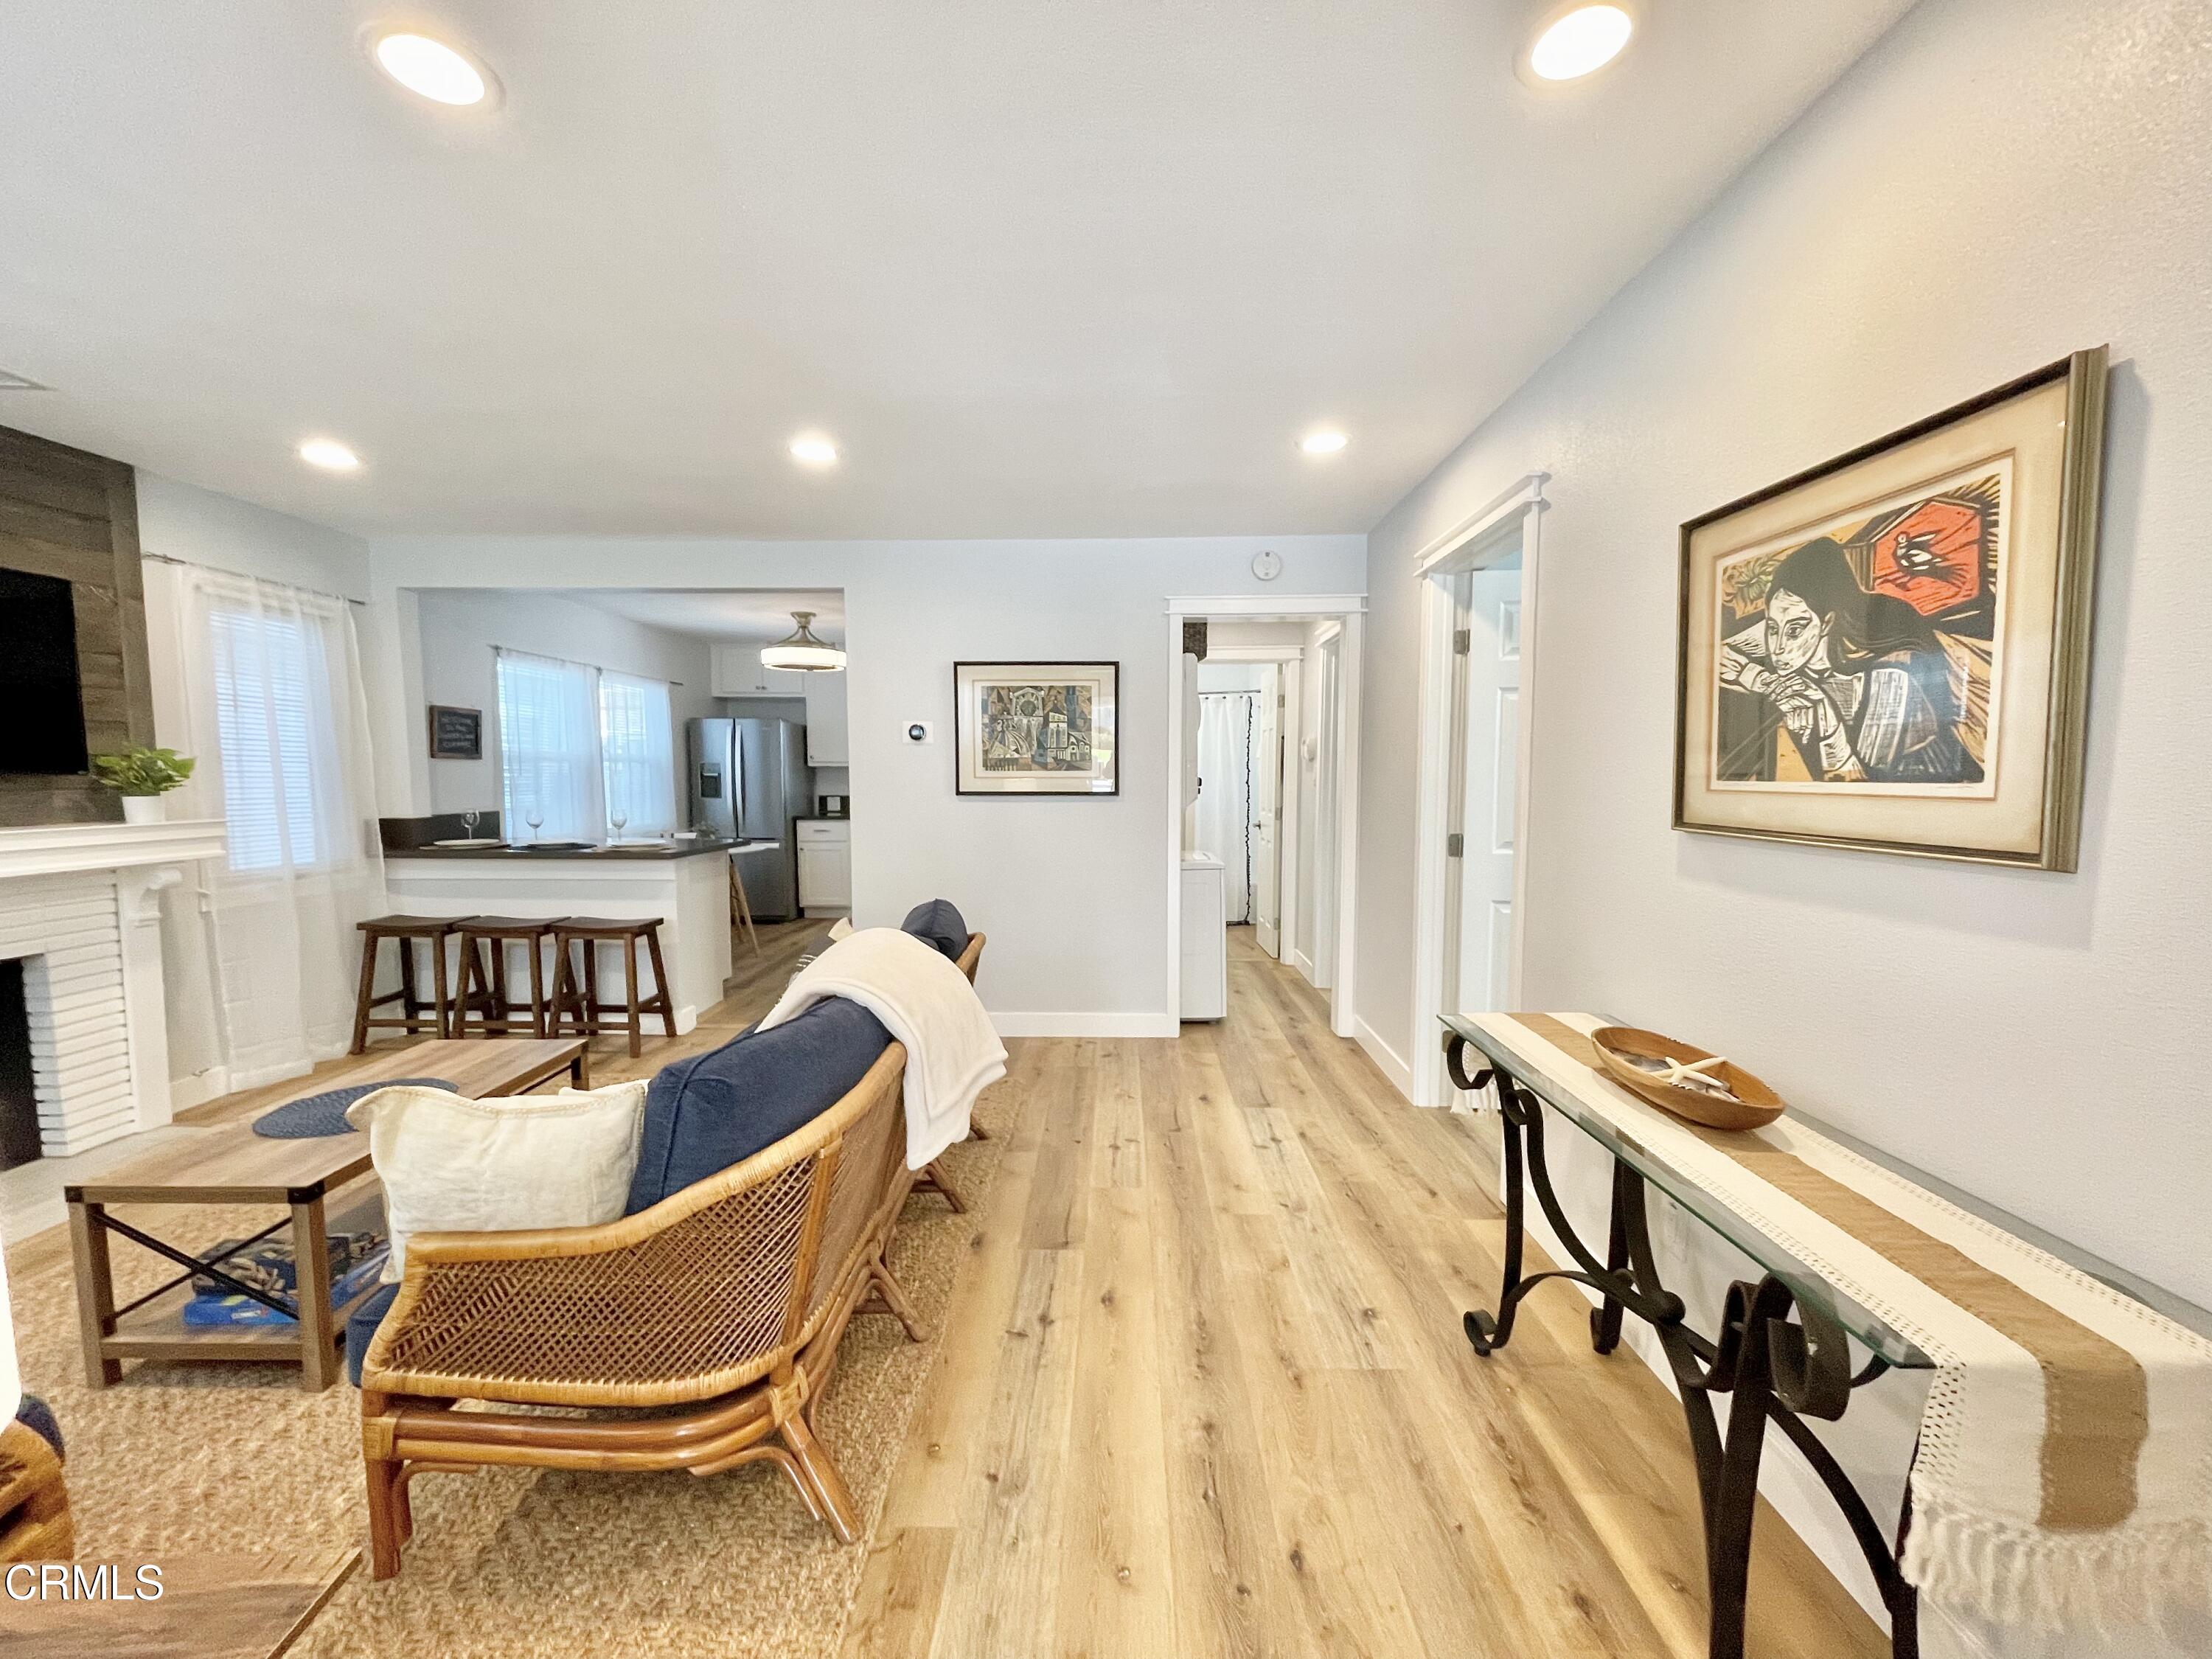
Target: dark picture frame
(1890,651)
(456,733)
(1037,727)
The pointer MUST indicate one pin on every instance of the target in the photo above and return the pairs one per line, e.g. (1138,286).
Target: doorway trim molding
(1350,609)
(1513,518)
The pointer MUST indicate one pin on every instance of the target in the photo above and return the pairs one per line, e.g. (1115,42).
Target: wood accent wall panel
(68,514)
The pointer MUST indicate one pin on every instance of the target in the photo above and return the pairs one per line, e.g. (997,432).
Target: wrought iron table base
(1773,1369)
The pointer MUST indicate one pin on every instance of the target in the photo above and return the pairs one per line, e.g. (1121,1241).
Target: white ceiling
(1074,268)
(741,614)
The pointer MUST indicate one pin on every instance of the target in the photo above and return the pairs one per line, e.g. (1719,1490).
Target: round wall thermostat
(1267,564)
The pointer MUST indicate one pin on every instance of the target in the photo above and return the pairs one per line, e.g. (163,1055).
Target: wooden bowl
(1754,1103)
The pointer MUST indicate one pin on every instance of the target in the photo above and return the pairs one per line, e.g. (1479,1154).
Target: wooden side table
(234,1166)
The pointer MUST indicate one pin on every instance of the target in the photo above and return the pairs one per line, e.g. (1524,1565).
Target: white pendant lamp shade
(802,651)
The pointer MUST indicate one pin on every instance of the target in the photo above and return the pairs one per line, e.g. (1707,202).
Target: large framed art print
(1036,728)
(1891,650)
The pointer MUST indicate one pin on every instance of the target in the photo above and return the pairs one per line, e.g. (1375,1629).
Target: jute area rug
(183,1458)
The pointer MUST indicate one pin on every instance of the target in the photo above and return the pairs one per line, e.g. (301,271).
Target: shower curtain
(1227,721)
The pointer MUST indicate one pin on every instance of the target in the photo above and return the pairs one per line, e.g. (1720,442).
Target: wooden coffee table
(232,1165)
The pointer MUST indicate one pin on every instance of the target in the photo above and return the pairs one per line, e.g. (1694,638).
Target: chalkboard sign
(456,733)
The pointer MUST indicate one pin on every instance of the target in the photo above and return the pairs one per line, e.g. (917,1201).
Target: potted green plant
(142,776)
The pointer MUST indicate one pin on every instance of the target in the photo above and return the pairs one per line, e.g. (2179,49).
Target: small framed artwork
(1892,651)
(1036,728)
(456,733)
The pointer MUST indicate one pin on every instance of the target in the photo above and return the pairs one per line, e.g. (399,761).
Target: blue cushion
(939,922)
(361,1325)
(704,1114)
(34,1414)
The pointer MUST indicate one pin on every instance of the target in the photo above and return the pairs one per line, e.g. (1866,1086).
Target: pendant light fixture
(803,650)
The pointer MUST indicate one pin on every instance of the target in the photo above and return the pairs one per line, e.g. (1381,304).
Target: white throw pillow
(452,1164)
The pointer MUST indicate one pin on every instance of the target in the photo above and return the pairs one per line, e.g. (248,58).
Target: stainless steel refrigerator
(751,781)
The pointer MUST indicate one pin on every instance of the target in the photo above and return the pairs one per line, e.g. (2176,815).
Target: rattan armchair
(728,1297)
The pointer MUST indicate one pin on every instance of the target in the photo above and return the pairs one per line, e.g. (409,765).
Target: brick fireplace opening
(19,1096)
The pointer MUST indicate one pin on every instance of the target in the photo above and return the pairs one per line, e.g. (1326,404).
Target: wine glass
(618,816)
(534,816)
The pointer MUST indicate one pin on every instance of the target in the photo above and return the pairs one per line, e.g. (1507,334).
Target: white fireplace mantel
(80,906)
(49,849)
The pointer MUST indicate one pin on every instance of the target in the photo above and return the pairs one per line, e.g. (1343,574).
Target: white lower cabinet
(1204,939)
(825,866)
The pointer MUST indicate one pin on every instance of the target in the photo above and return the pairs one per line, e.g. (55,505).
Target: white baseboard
(1303,963)
(185,1092)
(1086,1025)
(1386,1057)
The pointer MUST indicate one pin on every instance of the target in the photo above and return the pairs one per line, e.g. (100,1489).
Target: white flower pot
(143,809)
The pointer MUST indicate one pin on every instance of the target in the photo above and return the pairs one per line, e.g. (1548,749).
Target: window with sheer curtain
(271,688)
(637,753)
(549,746)
(261,683)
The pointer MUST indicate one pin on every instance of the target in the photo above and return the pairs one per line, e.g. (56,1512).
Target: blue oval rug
(325,1113)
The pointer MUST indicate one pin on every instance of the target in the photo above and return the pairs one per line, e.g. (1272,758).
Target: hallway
(1207,1353)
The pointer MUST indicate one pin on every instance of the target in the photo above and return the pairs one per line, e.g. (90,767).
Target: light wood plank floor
(1202,1392)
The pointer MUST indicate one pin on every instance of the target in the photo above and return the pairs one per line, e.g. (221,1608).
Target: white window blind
(637,746)
(271,684)
(549,744)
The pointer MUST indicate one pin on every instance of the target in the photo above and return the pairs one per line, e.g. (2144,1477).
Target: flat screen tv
(42,696)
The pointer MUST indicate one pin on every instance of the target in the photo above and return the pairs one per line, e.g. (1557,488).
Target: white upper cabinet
(825,720)
(738,673)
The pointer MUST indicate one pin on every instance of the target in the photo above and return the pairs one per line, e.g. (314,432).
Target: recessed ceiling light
(431,69)
(1323,443)
(813,450)
(1582,42)
(328,454)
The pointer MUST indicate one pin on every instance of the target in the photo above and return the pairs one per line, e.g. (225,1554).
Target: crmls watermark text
(64,1581)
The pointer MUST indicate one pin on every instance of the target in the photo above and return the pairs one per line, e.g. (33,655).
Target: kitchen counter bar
(681,849)
(686,888)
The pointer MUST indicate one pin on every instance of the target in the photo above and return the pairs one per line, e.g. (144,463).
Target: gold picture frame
(1890,651)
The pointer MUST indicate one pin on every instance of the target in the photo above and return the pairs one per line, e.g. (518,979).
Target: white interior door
(1268,812)
(1488,706)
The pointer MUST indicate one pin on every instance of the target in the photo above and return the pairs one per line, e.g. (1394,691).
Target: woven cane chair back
(704,1292)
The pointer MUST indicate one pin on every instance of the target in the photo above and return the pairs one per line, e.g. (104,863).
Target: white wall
(460,633)
(2060,199)
(1072,891)
(1234,676)
(1994,185)
(1255,635)
(181,521)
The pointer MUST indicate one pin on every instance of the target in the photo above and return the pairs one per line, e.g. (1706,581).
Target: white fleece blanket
(952,1053)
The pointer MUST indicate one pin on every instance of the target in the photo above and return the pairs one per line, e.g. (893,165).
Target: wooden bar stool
(409,931)
(483,993)
(741,909)
(578,999)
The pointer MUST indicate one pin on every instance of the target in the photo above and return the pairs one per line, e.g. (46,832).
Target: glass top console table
(1789,1347)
